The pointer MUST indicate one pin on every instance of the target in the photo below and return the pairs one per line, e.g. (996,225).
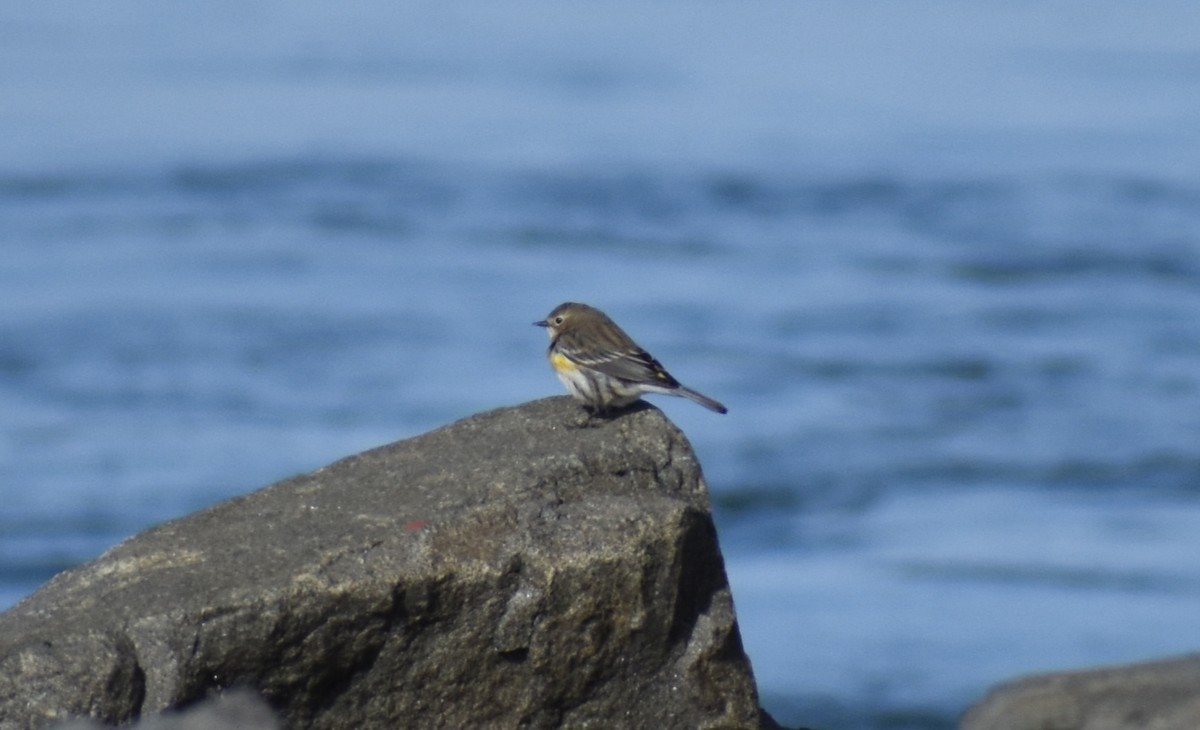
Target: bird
(602,366)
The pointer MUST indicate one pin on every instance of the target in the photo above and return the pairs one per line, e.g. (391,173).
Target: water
(942,261)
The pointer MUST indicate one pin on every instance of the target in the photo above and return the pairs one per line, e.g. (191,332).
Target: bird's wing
(635,366)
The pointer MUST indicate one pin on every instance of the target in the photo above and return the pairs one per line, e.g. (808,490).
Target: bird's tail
(702,399)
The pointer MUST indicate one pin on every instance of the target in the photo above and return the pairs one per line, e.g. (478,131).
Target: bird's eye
(558,320)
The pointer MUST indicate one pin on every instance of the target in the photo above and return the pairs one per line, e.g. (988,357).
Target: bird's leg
(594,416)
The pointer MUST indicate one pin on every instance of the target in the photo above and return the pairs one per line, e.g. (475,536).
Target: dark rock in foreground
(512,569)
(1163,695)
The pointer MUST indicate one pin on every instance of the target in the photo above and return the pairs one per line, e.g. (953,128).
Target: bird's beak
(543,323)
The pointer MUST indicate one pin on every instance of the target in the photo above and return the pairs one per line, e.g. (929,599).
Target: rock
(1161,695)
(518,568)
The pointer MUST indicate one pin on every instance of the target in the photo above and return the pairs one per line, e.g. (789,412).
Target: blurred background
(940,259)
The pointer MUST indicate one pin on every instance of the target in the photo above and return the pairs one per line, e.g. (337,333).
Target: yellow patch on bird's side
(562,363)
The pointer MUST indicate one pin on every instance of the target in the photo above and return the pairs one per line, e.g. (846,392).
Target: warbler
(602,366)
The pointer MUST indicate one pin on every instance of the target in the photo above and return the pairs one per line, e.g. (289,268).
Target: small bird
(602,366)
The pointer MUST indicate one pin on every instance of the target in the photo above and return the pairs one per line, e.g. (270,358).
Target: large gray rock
(514,569)
(1162,695)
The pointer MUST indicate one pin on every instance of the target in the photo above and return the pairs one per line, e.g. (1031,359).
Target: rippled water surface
(941,261)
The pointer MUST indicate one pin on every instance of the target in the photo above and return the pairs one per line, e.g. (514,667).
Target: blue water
(941,260)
